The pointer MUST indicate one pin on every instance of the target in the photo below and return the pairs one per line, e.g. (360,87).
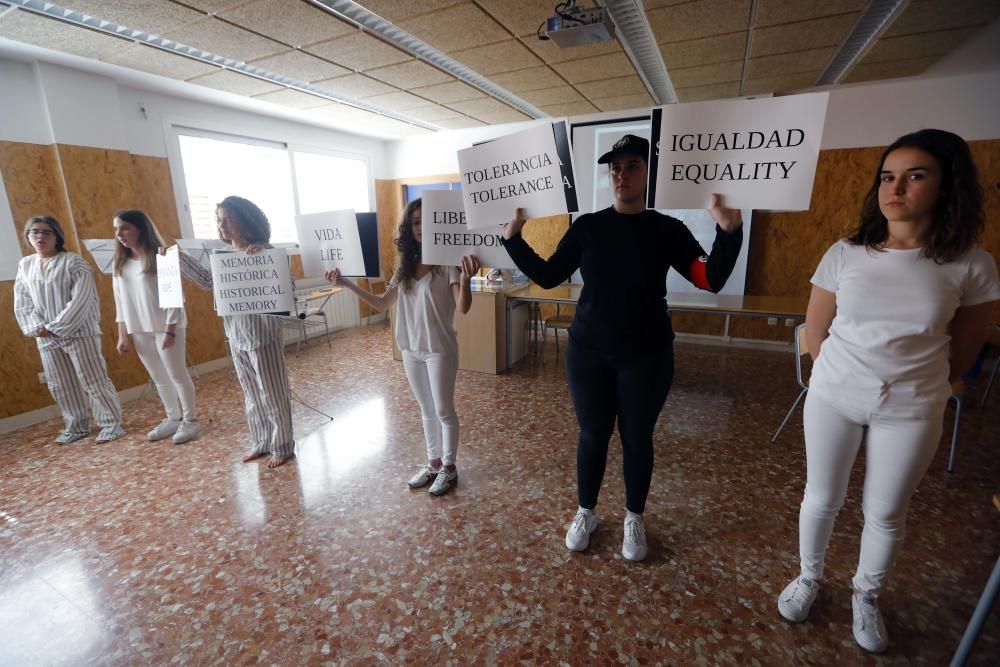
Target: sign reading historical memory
(329,241)
(531,169)
(245,284)
(168,279)
(447,238)
(758,154)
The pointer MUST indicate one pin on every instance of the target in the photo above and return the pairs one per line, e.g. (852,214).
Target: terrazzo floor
(137,553)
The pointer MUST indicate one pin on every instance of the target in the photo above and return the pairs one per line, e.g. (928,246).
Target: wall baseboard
(730,341)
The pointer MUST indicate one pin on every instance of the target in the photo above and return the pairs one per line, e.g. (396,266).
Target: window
(281,181)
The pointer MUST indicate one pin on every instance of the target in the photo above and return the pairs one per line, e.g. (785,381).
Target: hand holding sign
(334,277)
(514,227)
(727,218)
(470,267)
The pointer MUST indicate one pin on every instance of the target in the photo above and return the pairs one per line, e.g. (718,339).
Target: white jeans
(432,379)
(897,455)
(168,370)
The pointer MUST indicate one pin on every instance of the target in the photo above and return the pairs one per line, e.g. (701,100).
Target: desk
(704,302)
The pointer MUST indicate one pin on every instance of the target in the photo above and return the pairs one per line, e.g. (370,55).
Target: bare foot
(253,456)
(276,460)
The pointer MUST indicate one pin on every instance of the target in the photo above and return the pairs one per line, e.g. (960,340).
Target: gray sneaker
(164,429)
(634,542)
(444,482)
(869,629)
(186,432)
(578,535)
(797,599)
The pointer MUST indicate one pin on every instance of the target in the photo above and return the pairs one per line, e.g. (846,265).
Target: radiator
(341,312)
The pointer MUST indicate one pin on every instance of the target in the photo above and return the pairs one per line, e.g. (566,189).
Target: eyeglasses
(40,232)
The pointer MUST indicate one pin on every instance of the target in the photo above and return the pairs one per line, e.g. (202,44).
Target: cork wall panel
(543,235)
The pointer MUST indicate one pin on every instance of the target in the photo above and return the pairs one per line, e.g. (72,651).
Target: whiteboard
(10,242)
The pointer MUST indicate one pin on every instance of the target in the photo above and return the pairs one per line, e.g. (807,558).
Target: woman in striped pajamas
(55,302)
(158,334)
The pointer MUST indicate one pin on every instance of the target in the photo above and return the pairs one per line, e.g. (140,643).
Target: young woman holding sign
(158,334)
(619,358)
(898,312)
(55,301)
(427,297)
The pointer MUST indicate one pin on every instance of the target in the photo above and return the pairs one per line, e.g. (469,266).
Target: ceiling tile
(154,16)
(359,51)
(433,113)
(223,39)
(357,86)
(410,75)
(888,70)
(300,66)
(594,69)
(775,12)
(506,116)
(212,6)
(294,23)
(716,91)
(929,15)
(830,31)
(922,45)
(398,101)
(23,26)
(553,95)
(231,82)
(623,102)
(701,18)
(521,17)
(480,106)
(293,98)
(157,61)
(342,113)
(790,63)
(704,51)
(623,85)
(535,78)
(397,10)
(781,84)
(496,58)
(454,91)
(550,53)
(706,74)
(459,27)
(459,123)
(569,109)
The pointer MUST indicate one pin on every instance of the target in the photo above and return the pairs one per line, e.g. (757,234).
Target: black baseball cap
(627,145)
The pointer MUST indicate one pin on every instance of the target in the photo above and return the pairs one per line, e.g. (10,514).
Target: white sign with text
(329,241)
(446,237)
(246,284)
(168,279)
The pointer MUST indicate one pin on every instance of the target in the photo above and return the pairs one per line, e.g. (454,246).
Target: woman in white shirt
(55,302)
(427,297)
(898,312)
(158,334)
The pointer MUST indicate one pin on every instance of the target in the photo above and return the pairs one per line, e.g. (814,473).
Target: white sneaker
(164,429)
(634,543)
(797,599)
(869,630)
(444,482)
(578,535)
(187,431)
(424,476)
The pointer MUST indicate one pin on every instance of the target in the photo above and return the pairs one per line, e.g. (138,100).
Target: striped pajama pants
(75,371)
(264,380)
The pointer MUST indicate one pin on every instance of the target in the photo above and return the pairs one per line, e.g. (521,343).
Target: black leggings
(633,389)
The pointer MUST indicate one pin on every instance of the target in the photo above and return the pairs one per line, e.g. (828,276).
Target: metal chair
(957,391)
(996,366)
(556,322)
(801,349)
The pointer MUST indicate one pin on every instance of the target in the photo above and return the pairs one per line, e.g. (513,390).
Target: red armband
(699,273)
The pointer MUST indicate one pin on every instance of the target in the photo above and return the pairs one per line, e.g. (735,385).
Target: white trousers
(898,453)
(432,379)
(168,370)
(267,398)
(75,371)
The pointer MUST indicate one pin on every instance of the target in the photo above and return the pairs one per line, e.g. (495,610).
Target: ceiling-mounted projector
(573,26)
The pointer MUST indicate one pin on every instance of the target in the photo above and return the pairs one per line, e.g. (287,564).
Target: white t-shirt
(425,315)
(889,343)
(137,301)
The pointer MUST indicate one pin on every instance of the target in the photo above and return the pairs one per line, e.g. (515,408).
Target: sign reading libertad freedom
(168,279)
(447,237)
(531,169)
(758,154)
(330,241)
(246,284)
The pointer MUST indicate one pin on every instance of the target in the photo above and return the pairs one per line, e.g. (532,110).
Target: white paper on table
(328,241)
(447,238)
(168,279)
(246,284)
(103,253)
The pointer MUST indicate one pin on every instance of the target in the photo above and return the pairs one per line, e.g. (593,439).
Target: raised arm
(708,272)
(380,302)
(194,271)
(557,269)
(462,290)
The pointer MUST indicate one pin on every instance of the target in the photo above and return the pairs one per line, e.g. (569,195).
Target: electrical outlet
(789,322)
(772,321)
(41,379)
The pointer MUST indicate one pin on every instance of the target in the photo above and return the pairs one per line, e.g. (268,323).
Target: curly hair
(408,248)
(253,224)
(53,225)
(958,217)
(149,240)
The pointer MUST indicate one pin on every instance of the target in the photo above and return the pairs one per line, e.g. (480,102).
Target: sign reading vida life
(168,279)
(446,236)
(330,241)
(246,284)
(531,169)
(759,154)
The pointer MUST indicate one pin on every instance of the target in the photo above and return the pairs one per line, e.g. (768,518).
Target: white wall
(24,117)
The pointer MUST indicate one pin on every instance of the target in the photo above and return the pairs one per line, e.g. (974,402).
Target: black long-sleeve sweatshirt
(624,261)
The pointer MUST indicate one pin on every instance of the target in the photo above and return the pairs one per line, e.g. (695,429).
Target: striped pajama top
(62,299)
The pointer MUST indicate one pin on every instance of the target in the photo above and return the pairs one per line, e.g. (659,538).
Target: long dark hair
(53,225)
(408,247)
(149,240)
(958,216)
(254,227)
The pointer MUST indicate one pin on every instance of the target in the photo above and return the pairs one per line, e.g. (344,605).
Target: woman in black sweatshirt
(619,360)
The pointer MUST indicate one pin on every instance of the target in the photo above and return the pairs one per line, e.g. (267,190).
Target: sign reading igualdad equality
(168,279)
(758,154)
(329,241)
(246,284)
(446,237)
(531,169)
